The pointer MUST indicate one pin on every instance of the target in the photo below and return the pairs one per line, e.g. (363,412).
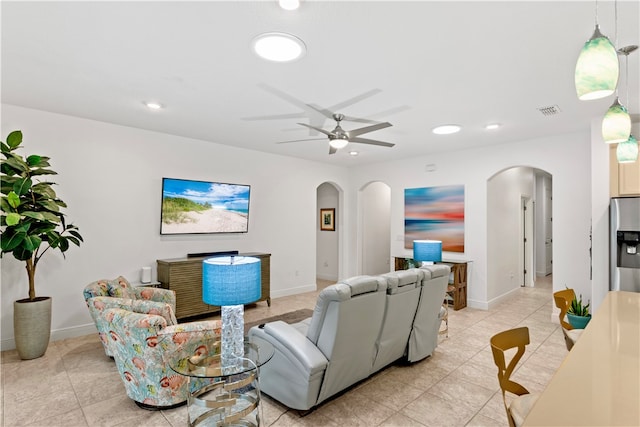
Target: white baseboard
(293,291)
(495,301)
(327,277)
(56,335)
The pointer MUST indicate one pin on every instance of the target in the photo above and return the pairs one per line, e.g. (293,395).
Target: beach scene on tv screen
(204,207)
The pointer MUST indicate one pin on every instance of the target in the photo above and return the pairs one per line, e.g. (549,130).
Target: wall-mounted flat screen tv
(200,207)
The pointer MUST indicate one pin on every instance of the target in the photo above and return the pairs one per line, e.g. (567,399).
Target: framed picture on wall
(328,219)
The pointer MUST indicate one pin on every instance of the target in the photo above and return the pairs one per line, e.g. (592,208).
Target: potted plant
(578,314)
(32,223)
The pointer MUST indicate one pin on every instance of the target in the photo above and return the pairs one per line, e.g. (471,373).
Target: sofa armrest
(296,347)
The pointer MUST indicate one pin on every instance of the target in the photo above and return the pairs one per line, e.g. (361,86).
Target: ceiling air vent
(551,110)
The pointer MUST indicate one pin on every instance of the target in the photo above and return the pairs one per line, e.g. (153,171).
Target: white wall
(565,157)
(543,182)
(504,242)
(110,177)
(327,241)
(375,217)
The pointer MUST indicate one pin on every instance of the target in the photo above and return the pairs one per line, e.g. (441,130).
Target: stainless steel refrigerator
(624,242)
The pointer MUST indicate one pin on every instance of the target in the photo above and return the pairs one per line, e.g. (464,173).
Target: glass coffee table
(223,395)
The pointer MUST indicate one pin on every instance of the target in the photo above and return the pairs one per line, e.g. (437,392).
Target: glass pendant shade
(597,69)
(616,125)
(627,151)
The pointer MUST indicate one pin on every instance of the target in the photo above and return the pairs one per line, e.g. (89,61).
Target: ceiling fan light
(338,143)
(616,125)
(278,47)
(597,69)
(289,4)
(627,151)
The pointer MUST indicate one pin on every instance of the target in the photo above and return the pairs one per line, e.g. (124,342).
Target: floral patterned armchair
(97,306)
(122,289)
(142,346)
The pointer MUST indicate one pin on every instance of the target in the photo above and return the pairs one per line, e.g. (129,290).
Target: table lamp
(427,251)
(230,282)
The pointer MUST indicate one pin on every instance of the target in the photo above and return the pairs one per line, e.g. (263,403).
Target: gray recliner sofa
(359,326)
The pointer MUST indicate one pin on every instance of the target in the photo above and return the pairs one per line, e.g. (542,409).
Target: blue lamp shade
(230,280)
(427,250)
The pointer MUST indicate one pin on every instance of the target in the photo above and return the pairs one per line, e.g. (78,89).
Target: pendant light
(627,151)
(616,125)
(597,69)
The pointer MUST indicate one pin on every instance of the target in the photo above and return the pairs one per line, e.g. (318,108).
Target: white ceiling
(424,63)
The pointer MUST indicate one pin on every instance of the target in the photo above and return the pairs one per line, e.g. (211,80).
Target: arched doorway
(519,242)
(328,241)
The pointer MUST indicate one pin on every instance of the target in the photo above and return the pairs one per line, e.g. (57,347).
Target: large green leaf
(4,148)
(14,138)
(35,172)
(31,243)
(50,205)
(22,254)
(22,186)
(11,240)
(17,164)
(13,199)
(48,216)
(12,219)
(4,205)
(33,160)
(44,189)
(35,215)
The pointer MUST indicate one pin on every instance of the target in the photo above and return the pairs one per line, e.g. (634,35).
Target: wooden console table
(457,281)
(184,276)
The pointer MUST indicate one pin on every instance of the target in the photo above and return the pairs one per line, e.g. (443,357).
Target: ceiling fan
(339,138)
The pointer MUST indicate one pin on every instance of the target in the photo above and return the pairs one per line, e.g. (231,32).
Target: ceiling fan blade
(368,129)
(284,96)
(300,140)
(355,99)
(332,149)
(275,117)
(371,141)
(326,132)
(390,111)
(329,114)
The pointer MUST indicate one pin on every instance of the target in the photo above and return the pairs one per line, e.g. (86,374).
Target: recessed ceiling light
(492,126)
(153,105)
(289,4)
(278,47)
(353,153)
(446,129)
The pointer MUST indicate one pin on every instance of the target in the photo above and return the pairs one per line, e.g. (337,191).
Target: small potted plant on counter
(578,314)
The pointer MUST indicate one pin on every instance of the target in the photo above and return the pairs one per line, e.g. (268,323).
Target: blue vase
(578,322)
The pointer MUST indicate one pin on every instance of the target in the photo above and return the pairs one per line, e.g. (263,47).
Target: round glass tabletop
(206,362)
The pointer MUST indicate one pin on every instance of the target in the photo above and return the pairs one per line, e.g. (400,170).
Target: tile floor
(75,384)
